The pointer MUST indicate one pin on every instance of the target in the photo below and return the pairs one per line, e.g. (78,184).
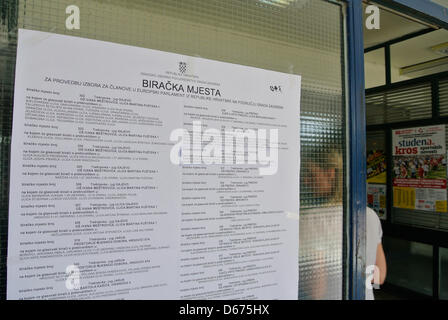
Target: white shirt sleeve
(374,234)
(374,225)
(380,229)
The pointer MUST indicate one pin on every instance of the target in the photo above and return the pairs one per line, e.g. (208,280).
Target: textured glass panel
(443,272)
(404,104)
(409,264)
(298,36)
(422,219)
(321,197)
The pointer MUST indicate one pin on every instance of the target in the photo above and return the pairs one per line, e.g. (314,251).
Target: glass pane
(376,172)
(397,105)
(420,218)
(443,273)
(299,37)
(396,26)
(409,264)
(443,97)
(375,68)
(419,56)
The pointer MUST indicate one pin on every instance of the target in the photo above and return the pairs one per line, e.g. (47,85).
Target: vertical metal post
(357,156)
(387,64)
(435,101)
(389,175)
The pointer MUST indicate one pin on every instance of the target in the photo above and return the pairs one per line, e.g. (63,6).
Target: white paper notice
(142,174)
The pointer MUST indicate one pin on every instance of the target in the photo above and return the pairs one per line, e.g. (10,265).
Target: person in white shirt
(374,250)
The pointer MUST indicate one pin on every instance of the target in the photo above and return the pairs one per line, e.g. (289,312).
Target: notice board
(419,168)
(142,174)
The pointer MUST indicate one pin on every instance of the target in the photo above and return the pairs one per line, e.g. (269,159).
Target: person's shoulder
(371,215)
(373,223)
(370,211)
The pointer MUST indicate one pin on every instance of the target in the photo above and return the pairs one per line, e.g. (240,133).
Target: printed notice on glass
(142,174)
(419,172)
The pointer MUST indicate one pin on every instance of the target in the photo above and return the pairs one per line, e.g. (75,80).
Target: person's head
(322,175)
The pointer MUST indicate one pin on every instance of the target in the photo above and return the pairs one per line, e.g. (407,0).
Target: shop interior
(406,76)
